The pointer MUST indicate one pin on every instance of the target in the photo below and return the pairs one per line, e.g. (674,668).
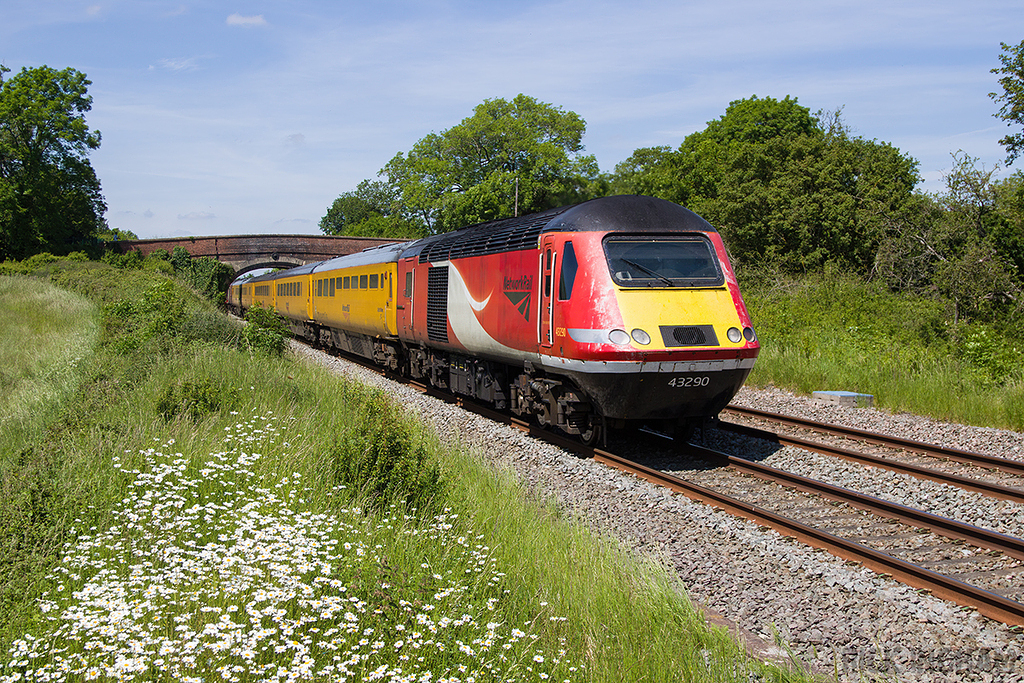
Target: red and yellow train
(615,311)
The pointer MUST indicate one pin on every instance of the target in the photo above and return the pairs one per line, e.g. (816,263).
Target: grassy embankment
(834,332)
(187,506)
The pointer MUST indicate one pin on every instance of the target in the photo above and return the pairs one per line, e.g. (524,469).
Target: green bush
(130,260)
(383,461)
(266,331)
(195,399)
(836,331)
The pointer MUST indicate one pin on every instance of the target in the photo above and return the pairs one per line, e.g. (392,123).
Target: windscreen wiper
(650,272)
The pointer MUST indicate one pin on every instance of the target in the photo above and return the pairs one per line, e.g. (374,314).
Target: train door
(548,264)
(405,307)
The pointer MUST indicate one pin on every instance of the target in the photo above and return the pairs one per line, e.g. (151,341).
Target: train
(609,314)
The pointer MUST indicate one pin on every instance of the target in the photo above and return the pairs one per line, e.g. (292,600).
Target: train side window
(344,283)
(547,275)
(337,282)
(373,281)
(567,273)
(319,287)
(363,279)
(408,285)
(331,280)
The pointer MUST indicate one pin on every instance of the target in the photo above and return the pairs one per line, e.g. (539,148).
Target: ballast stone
(847,399)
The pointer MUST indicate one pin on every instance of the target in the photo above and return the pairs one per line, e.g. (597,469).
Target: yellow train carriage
(245,296)
(262,294)
(290,294)
(358,299)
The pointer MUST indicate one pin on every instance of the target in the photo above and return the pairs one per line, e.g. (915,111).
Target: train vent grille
(437,304)
(689,335)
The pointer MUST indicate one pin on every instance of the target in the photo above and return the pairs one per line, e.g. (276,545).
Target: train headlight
(748,334)
(734,335)
(618,337)
(641,337)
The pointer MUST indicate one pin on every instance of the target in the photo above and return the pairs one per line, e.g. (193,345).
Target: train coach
(614,312)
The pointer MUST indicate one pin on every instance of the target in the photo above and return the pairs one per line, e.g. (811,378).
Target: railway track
(1009,486)
(993,555)
(946,541)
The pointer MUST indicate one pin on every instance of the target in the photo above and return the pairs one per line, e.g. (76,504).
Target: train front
(641,310)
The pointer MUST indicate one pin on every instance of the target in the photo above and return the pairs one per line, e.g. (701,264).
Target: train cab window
(408,285)
(567,273)
(363,280)
(663,261)
(344,283)
(373,281)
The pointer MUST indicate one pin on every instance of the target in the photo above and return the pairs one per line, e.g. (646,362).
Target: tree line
(791,191)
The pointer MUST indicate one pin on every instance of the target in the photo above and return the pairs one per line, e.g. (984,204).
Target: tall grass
(836,332)
(206,512)
(46,334)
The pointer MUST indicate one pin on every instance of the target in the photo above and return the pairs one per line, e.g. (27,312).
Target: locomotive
(616,312)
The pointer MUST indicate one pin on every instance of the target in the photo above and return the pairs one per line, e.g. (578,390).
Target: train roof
(626,213)
(384,253)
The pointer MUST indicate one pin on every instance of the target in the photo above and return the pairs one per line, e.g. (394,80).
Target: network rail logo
(518,291)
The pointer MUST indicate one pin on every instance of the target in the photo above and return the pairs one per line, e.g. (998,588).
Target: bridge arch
(246,253)
(256,264)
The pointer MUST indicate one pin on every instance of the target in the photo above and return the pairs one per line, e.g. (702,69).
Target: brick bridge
(249,252)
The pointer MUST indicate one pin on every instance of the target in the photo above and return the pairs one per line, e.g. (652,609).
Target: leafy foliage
(1012,97)
(781,186)
(372,210)
(383,460)
(962,244)
(266,331)
(49,195)
(509,157)
(195,399)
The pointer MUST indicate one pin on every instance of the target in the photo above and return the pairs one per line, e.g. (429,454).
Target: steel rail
(989,489)
(929,449)
(943,526)
(987,603)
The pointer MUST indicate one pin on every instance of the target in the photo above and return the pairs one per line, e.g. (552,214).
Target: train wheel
(593,432)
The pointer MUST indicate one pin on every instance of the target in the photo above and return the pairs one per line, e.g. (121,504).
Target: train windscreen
(663,261)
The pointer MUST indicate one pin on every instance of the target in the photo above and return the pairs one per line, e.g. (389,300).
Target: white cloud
(247,22)
(178,64)
(196,216)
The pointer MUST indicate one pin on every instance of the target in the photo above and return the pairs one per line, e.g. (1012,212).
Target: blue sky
(252,117)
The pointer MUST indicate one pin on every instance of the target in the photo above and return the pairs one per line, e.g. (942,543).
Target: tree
(780,185)
(1012,97)
(49,195)
(508,158)
(372,210)
(961,245)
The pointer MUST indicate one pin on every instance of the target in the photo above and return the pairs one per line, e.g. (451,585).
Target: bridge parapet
(249,252)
